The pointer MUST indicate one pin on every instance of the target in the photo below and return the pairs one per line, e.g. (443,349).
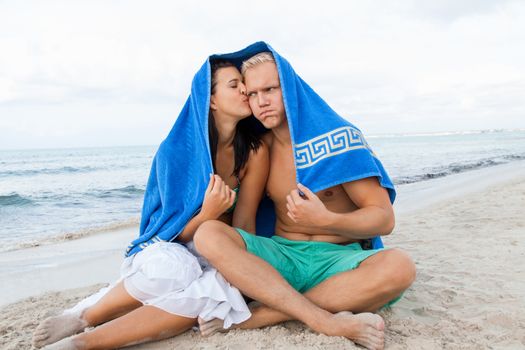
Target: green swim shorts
(305,264)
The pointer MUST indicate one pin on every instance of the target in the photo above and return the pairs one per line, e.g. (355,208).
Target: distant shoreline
(371,135)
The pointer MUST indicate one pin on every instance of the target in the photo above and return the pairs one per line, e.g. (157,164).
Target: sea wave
(70,198)
(444,133)
(68,236)
(120,192)
(48,171)
(456,168)
(14,199)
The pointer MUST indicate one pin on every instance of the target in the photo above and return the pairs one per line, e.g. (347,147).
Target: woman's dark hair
(247,133)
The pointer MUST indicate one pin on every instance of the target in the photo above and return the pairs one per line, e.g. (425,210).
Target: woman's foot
(56,328)
(65,344)
(211,327)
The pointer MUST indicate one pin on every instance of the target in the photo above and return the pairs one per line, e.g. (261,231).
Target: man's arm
(375,215)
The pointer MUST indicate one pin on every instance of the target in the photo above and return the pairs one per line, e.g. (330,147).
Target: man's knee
(214,237)
(207,237)
(401,268)
(394,269)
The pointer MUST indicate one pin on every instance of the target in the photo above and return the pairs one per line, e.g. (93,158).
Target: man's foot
(55,328)
(211,327)
(65,344)
(366,329)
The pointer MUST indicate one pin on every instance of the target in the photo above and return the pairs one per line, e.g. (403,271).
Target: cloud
(389,65)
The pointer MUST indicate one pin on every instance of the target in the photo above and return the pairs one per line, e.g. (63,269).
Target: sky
(114,73)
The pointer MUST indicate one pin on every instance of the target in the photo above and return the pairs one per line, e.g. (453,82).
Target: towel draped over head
(328,149)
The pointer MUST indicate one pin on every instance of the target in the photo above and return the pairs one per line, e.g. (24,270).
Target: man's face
(264,94)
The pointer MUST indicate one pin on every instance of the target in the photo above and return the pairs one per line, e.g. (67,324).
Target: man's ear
(213,105)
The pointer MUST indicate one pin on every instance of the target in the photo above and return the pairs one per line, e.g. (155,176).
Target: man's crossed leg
(324,308)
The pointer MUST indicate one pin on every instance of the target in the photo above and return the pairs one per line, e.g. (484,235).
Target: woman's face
(229,96)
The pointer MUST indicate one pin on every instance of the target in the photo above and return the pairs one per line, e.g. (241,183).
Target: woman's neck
(226,131)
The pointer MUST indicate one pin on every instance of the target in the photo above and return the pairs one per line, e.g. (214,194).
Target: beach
(465,232)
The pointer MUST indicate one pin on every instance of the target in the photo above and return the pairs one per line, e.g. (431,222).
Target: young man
(315,249)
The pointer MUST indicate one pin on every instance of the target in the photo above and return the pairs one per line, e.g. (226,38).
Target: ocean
(57,194)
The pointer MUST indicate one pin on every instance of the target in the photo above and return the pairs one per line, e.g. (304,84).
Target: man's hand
(307,210)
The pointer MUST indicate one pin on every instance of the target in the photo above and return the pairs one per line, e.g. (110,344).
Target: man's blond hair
(256,60)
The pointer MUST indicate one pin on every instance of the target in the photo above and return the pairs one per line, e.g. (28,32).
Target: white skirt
(171,278)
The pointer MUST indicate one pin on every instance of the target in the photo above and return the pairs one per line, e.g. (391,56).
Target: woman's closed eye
(234,83)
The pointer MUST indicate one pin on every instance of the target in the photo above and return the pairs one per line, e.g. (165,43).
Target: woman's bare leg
(113,304)
(147,323)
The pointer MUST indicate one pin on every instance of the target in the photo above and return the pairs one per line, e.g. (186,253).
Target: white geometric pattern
(332,143)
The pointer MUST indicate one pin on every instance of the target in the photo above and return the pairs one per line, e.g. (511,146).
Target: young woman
(165,287)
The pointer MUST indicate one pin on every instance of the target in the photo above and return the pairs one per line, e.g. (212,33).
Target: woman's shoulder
(259,159)
(260,152)
(267,138)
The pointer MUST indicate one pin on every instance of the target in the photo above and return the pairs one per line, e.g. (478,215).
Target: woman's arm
(191,227)
(253,184)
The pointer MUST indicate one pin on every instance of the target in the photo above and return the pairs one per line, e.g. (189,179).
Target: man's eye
(251,94)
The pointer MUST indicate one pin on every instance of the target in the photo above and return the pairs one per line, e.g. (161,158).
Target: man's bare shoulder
(366,183)
(367,191)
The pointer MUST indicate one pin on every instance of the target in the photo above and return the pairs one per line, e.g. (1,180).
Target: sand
(469,249)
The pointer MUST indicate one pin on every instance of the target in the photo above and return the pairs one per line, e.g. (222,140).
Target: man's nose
(262,100)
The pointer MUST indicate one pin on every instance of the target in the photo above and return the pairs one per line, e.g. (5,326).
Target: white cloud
(406,65)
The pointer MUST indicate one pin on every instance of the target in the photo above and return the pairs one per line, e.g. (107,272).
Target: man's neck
(281,134)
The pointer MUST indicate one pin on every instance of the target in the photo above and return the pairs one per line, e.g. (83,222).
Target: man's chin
(271,122)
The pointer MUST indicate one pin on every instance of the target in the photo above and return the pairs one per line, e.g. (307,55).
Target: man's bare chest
(282,180)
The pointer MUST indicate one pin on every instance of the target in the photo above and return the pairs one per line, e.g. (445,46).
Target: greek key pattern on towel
(332,143)
(153,240)
(143,245)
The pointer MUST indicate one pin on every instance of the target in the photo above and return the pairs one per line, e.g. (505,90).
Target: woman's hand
(218,198)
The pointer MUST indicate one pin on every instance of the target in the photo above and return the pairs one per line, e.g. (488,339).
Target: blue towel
(180,171)
(329,150)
